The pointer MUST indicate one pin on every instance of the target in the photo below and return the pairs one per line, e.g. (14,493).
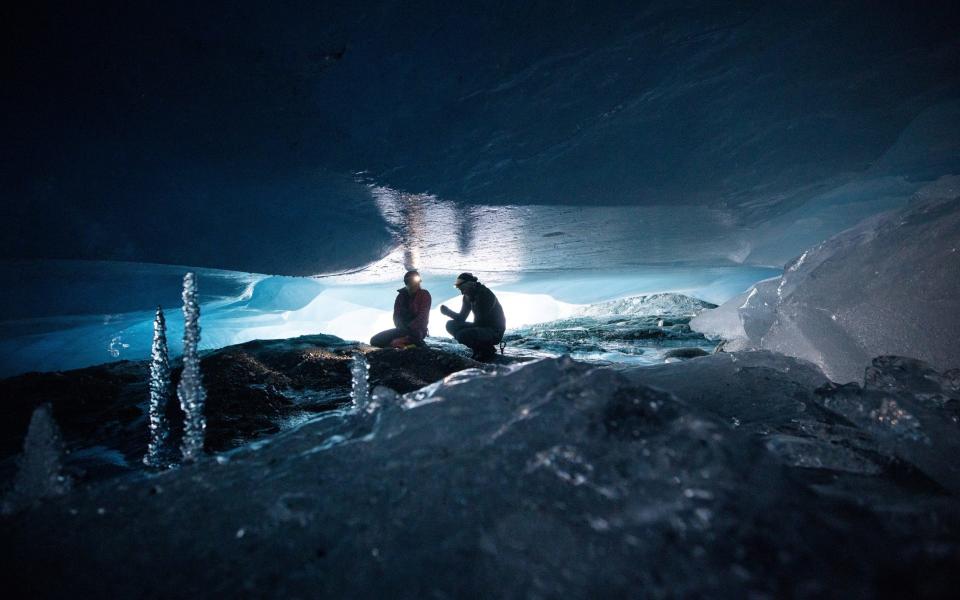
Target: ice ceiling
(312,138)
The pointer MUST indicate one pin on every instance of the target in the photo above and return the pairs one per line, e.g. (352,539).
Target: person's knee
(467,337)
(481,336)
(380,340)
(452,327)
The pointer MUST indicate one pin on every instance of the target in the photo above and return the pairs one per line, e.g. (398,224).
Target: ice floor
(69,314)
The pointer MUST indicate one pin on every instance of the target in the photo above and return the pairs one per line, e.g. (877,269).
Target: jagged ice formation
(887,286)
(360,381)
(159,393)
(191,392)
(39,467)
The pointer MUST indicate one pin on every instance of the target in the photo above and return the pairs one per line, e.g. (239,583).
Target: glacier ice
(677,305)
(54,330)
(741,321)
(890,285)
(190,390)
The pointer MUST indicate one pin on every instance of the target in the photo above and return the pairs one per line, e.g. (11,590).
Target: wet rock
(95,406)
(407,370)
(684,353)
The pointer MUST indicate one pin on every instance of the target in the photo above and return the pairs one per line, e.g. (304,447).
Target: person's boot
(486,353)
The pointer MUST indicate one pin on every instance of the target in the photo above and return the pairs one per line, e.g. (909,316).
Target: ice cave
(480,300)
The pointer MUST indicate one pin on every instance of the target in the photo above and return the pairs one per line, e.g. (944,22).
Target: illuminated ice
(887,286)
(741,321)
(190,391)
(159,394)
(64,331)
(360,382)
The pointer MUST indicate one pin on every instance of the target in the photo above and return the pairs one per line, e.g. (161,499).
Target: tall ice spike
(159,393)
(191,393)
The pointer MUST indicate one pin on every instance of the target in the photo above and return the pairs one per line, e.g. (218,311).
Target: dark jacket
(487,311)
(412,313)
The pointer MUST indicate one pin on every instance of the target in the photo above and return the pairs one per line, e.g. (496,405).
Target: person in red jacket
(411,312)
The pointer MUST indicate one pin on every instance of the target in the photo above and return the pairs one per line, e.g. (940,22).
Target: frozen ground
(738,474)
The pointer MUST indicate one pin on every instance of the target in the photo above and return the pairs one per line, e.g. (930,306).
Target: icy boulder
(653,304)
(743,320)
(890,285)
(910,409)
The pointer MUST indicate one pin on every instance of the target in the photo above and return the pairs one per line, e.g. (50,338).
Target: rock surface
(254,389)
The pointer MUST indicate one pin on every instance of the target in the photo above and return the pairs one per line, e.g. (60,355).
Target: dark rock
(407,370)
(686,353)
(253,389)
(102,405)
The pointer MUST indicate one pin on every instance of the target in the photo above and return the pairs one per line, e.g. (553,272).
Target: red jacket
(412,312)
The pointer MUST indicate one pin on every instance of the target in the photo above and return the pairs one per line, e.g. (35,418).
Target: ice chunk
(902,418)
(39,468)
(890,285)
(742,320)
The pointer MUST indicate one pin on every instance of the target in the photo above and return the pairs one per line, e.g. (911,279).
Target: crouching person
(411,313)
(489,323)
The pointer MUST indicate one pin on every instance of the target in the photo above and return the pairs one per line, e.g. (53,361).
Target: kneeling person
(411,313)
(489,322)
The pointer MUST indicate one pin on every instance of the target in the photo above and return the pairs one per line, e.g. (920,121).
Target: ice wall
(890,285)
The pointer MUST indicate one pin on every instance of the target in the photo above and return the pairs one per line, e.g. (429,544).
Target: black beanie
(467,277)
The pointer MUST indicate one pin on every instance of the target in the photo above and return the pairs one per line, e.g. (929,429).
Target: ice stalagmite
(39,473)
(159,393)
(360,375)
(191,393)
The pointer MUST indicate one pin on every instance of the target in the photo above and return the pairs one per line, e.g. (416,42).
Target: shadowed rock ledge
(254,389)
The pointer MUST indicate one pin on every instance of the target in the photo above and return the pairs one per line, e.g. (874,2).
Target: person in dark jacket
(411,313)
(488,324)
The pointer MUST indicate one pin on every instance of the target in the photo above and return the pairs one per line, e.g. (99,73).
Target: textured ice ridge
(652,304)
